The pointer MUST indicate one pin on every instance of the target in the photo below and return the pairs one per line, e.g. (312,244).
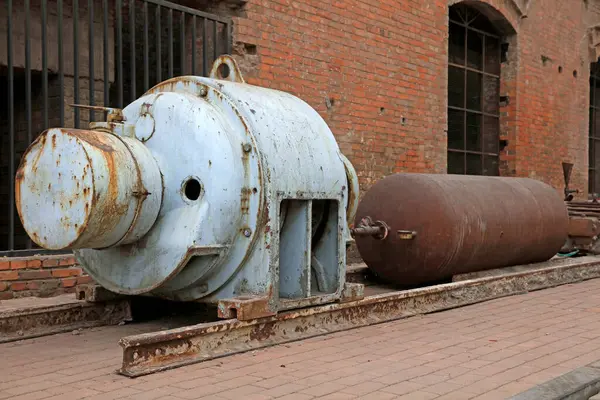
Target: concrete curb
(579,384)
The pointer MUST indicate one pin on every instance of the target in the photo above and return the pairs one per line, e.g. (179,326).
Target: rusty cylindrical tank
(431,227)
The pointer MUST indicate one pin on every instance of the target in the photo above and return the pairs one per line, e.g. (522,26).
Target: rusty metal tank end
(87,189)
(442,225)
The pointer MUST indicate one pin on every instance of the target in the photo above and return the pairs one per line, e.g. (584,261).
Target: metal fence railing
(54,53)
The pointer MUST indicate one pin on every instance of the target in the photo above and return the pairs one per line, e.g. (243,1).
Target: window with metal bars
(594,132)
(474,60)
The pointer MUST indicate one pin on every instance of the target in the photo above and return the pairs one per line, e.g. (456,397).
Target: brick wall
(39,276)
(375,71)
(553,95)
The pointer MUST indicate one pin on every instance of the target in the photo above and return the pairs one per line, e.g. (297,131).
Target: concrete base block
(579,384)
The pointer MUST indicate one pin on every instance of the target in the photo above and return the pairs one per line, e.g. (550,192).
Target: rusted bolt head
(203,91)
(247,147)
(247,232)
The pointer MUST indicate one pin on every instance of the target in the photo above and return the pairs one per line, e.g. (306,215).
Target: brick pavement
(485,351)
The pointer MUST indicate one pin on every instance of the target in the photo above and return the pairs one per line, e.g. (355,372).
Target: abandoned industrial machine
(213,190)
(204,189)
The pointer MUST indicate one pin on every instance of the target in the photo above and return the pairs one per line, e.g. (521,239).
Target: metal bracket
(352,292)
(113,114)
(567,168)
(406,235)
(226,69)
(93,293)
(244,308)
(378,229)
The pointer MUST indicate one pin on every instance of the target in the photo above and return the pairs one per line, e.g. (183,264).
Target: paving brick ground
(485,351)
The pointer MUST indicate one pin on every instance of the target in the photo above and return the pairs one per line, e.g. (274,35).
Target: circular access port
(192,189)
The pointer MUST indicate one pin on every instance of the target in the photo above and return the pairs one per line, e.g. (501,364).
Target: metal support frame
(158,351)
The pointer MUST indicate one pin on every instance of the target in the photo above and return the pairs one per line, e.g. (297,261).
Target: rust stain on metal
(584,227)
(114,209)
(262,332)
(244,308)
(464,224)
(41,142)
(245,200)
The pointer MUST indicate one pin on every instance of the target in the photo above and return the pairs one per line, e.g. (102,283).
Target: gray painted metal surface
(105,189)
(234,160)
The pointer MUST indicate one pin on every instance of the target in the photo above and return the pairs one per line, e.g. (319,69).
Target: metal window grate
(97,52)
(474,60)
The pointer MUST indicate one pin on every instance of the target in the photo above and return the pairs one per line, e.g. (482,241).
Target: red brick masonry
(39,276)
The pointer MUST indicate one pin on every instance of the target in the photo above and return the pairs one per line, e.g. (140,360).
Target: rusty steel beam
(157,351)
(583,226)
(21,323)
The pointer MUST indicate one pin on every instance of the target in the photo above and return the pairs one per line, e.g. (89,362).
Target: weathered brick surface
(486,351)
(39,276)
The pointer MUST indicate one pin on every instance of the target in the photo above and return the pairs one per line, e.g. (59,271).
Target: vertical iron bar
(481,105)
(158,43)
(28,78)
(183,44)
(118,11)
(61,71)
(465,119)
(76,60)
(28,68)
(204,47)
(132,45)
(105,55)
(170,43)
(11,131)
(194,38)
(215,41)
(91,55)
(227,28)
(146,57)
(45,61)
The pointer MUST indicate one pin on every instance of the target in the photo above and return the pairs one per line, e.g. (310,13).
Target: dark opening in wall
(24,133)
(474,66)
(594,131)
